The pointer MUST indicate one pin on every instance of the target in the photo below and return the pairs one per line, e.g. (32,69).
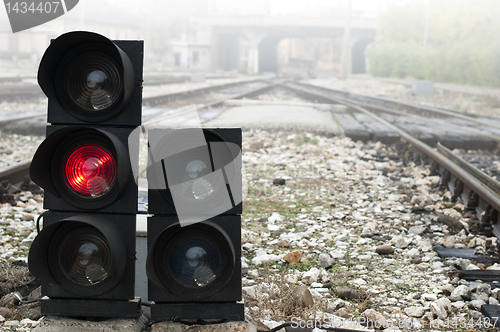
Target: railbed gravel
(17,148)
(342,203)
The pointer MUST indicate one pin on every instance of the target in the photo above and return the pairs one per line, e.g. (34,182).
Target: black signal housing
(73,69)
(85,253)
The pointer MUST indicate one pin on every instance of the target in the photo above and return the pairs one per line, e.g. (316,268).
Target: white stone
(458,304)
(462,292)
(417,230)
(438,310)
(315,294)
(265,258)
(358,282)
(275,216)
(472,267)
(445,303)
(374,316)
(494,267)
(477,304)
(428,297)
(414,311)
(313,274)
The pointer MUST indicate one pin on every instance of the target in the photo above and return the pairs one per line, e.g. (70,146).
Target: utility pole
(345,63)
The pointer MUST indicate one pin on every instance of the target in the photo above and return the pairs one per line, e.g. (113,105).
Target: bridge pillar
(268,54)
(253,39)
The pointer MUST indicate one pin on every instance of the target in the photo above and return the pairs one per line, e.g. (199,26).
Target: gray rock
(250,291)
(385,249)
(325,260)
(475,314)
(350,293)
(448,289)
(451,222)
(337,304)
(445,303)
(449,242)
(462,292)
(476,304)
(450,262)
(484,288)
(438,310)
(416,230)
(462,263)
(480,296)
(30,310)
(495,293)
(9,301)
(6,313)
(401,242)
(493,301)
(429,297)
(374,318)
(428,316)
(473,285)
(279,182)
(302,297)
(414,311)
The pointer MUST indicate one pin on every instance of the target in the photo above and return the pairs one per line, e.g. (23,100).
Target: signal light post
(85,254)
(194,238)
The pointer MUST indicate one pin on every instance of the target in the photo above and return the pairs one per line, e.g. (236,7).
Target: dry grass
(12,276)
(276,300)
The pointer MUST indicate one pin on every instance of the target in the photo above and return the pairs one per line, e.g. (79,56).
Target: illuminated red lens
(90,171)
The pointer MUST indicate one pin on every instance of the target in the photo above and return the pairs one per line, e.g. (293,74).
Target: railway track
(428,124)
(478,191)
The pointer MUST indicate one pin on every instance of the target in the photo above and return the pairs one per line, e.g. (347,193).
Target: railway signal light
(194,237)
(85,253)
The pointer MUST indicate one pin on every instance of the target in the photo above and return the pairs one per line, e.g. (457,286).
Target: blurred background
(440,40)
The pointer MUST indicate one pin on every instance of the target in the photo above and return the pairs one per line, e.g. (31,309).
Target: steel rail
(15,173)
(476,186)
(484,178)
(163,99)
(438,121)
(381,101)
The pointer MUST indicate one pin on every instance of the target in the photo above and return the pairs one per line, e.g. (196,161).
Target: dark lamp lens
(93,82)
(90,171)
(194,261)
(84,256)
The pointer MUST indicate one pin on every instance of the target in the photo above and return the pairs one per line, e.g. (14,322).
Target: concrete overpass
(257,38)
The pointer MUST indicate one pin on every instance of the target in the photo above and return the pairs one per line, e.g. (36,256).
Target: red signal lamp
(85,168)
(90,171)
